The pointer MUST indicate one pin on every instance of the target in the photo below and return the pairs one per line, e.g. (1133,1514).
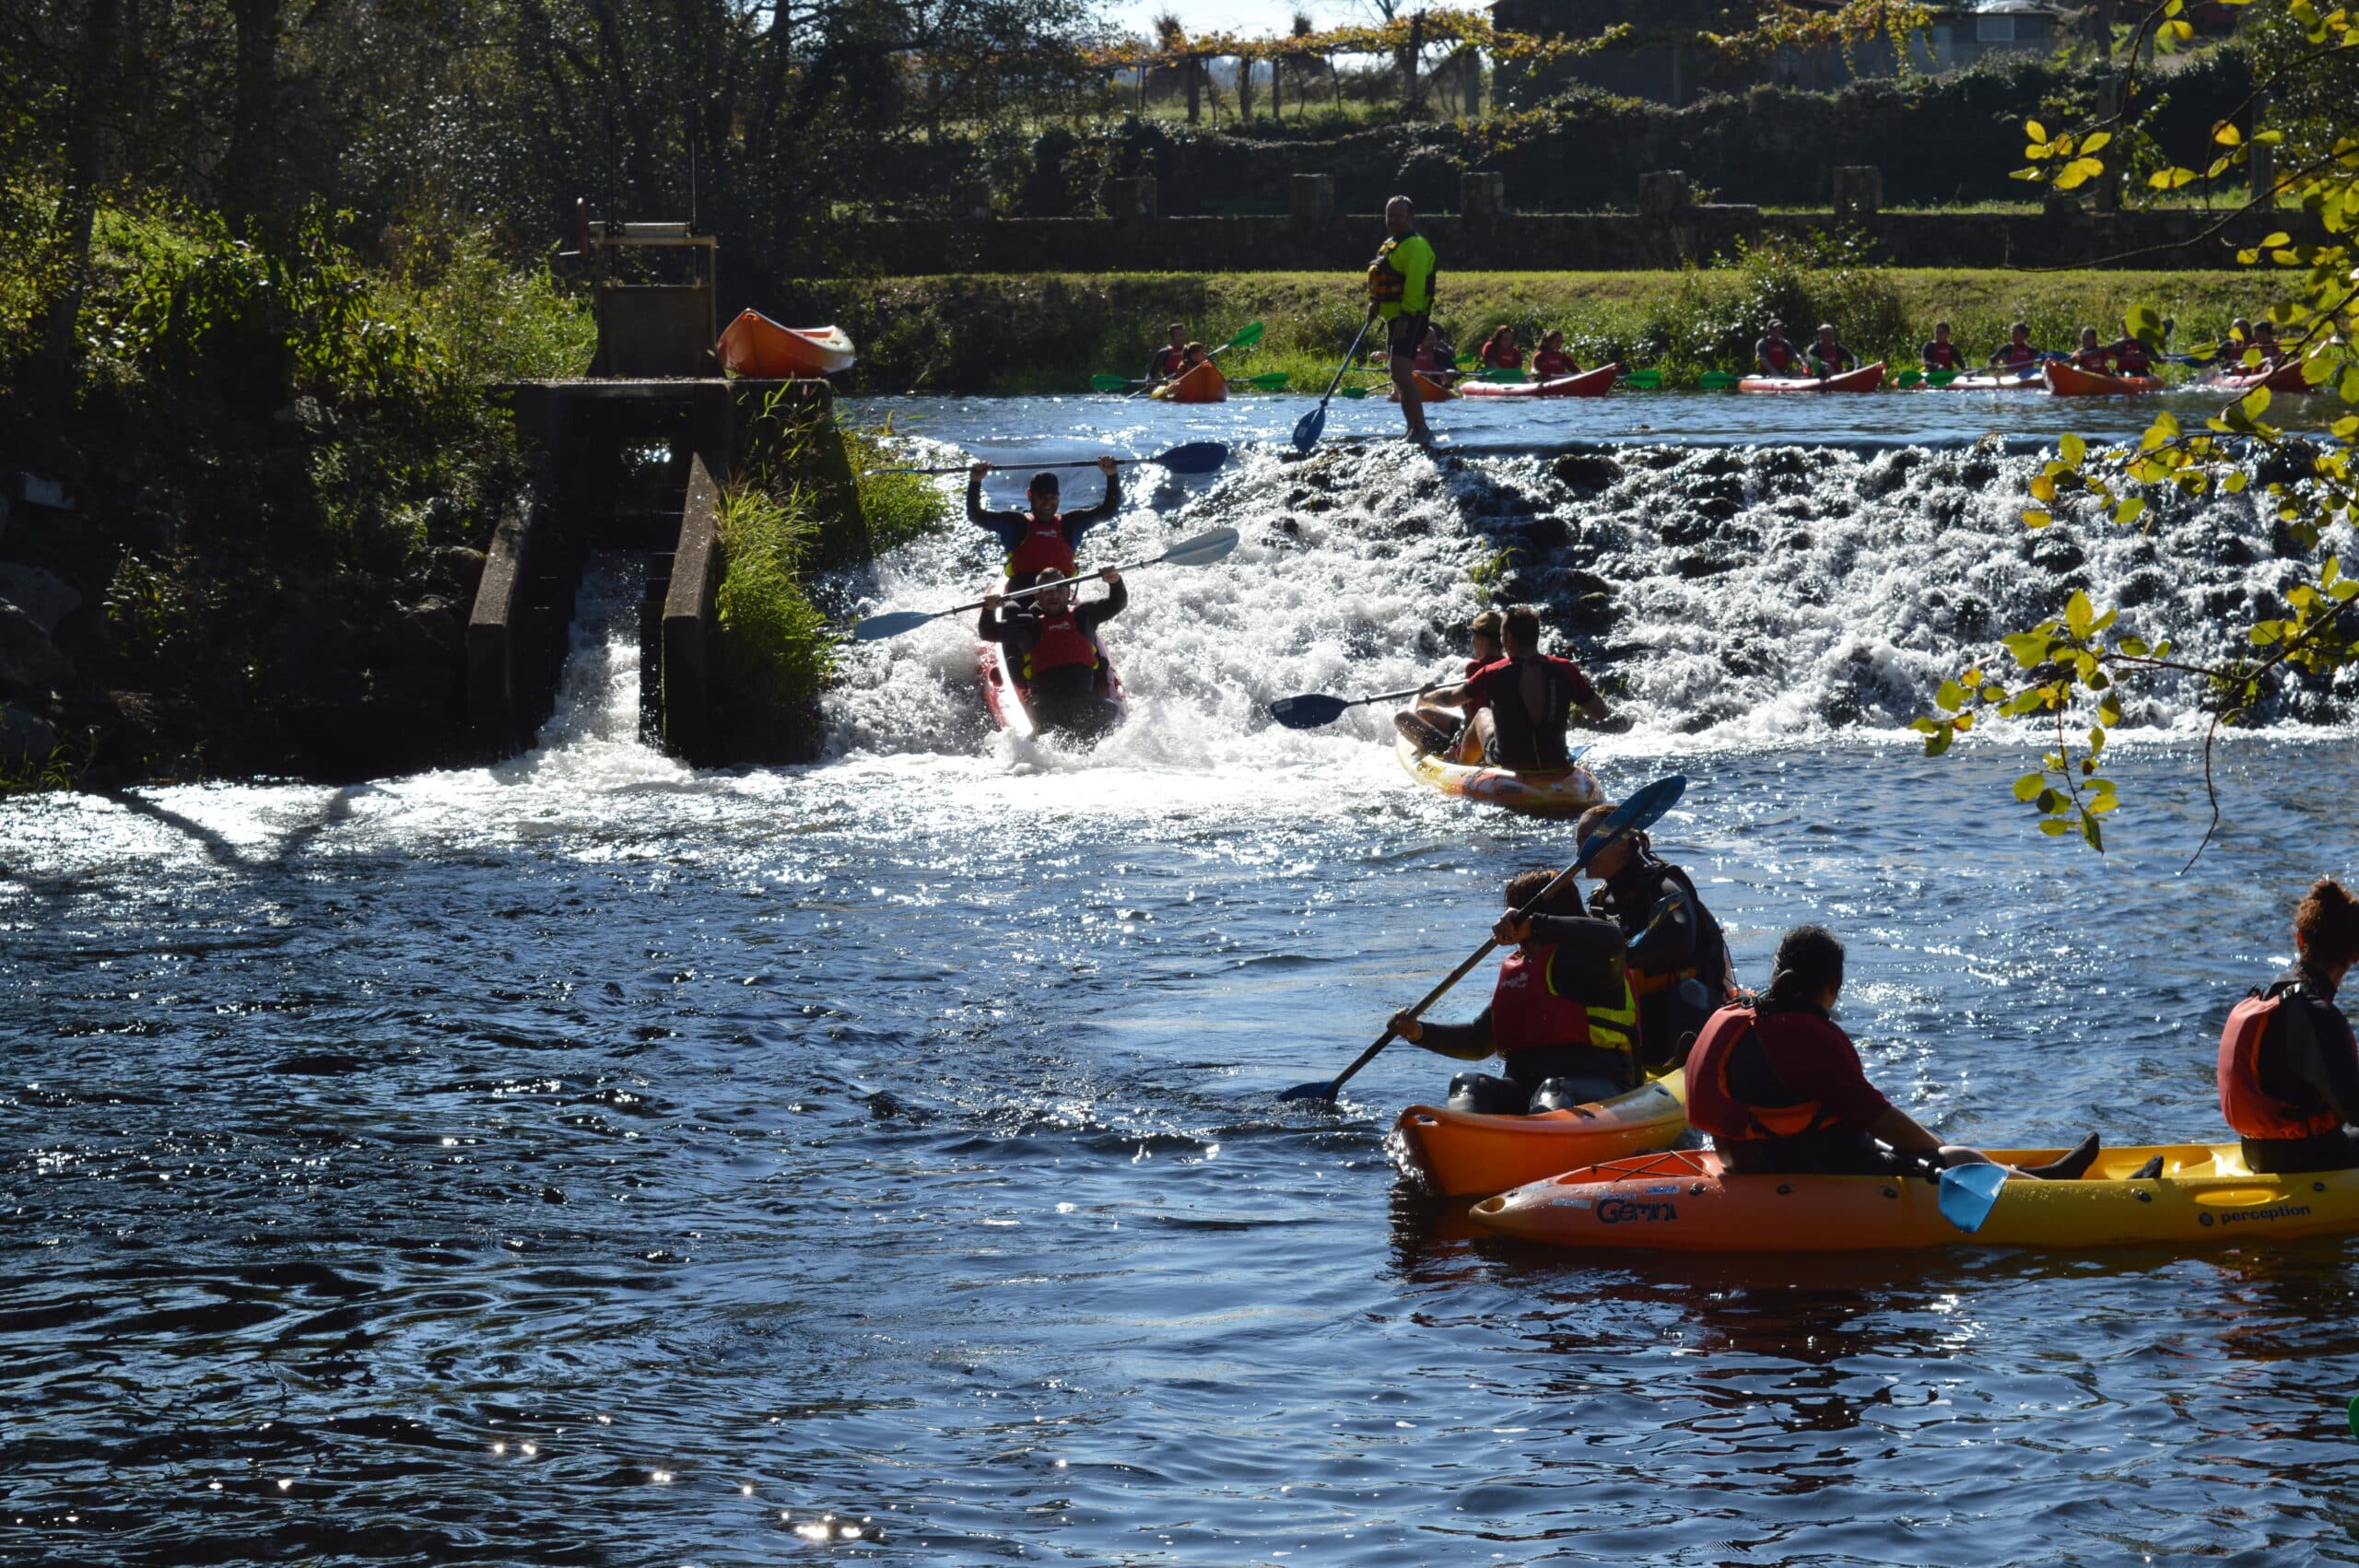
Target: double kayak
(1010,705)
(1555,792)
(1204,384)
(1866,379)
(1465,1155)
(2285,378)
(1683,1201)
(2070,380)
(755,345)
(1589,383)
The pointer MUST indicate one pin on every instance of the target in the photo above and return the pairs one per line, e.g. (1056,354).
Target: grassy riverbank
(1048,332)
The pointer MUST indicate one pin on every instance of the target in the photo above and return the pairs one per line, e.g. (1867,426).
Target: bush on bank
(1047,332)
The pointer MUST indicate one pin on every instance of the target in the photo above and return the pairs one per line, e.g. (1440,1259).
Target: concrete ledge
(495,622)
(688,630)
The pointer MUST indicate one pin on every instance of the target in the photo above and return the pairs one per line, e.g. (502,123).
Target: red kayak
(1589,383)
(2070,380)
(2285,378)
(1866,379)
(1006,699)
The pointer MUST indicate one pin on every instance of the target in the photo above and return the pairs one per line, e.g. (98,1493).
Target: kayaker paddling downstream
(1051,648)
(1401,294)
(1042,539)
(1517,708)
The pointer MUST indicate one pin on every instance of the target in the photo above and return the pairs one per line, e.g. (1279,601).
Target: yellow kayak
(1683,1201)
(1463,1154)
(1571,790)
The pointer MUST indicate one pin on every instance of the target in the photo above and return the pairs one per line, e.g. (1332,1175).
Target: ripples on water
(587,1160)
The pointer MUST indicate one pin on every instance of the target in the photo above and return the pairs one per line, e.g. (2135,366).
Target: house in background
(1664,64)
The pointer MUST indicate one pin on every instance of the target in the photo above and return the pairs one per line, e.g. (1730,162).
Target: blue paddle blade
(1307,712)
(1968,1194)
(1641,810)
(1306,429)
(892,623)
(1196,457)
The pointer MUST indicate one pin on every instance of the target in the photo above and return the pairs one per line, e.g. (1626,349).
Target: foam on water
(1736,596)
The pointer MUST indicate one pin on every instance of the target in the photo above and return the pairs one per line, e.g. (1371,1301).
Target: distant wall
(1527,242)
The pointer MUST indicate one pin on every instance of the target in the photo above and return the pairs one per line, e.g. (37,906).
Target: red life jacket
(2016,354)
(2250,1109)
(2097,359)
(1499,357)
(2129,358)
(1044,547)
(1061,642)
(1942,356)
(1527,1015)
(1713,1106)
(1779,356)
(1549,363)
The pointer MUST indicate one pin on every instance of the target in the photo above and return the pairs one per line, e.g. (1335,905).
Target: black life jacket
(1519,740)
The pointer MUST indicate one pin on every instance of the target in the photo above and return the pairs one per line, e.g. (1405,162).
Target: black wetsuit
(1582,970)
(2305,1059)
(1073,698)
(1670,929)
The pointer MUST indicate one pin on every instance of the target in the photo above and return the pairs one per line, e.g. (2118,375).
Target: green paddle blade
(1643,380)
(1715,381)
(1108,383)
(1274,382)
(1510,378)
(1247,338)
(1202,550)
(1908,378)
(1354,393)
(878,627)
(1466,361)
(1940,378)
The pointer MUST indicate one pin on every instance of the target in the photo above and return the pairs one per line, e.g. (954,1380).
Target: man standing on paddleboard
(1401,291)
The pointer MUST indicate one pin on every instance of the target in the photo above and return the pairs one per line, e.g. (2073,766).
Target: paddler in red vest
(1779,1087)
(1519,708)
(1562,1019)
(1500,351)
(1941,354)
(1167,361)
(1678,958)
(2016,352)
(2131,355)
(1438,732)
(2272,353)
(1774,354)
(2289,1065)
(1042,539)
(1828,356)
(1551,360)
(2092,355)
(1051,646)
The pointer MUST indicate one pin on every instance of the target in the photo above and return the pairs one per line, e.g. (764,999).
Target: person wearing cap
(1774,354)
(1678,957)
(1042,539)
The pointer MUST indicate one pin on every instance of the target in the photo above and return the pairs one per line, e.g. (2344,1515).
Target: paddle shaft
(961,468)
(1349,355)
(1058,582)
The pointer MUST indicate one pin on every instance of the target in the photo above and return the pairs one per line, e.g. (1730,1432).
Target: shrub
(776,648)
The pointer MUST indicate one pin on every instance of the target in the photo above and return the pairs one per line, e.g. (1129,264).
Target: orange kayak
(1685,1201)
(1203,384)
(1589,383)
(1461,1154)
(1428,390)
(756,346)
(2070,380)
(1866,379)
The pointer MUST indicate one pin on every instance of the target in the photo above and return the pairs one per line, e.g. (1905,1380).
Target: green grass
(776,648)
(1047,332)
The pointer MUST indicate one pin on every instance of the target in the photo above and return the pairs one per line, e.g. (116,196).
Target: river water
(586,1160)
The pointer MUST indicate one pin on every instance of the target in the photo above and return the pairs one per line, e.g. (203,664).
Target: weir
(636,466)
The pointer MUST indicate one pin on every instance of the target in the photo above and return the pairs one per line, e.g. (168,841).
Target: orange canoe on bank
(756,346)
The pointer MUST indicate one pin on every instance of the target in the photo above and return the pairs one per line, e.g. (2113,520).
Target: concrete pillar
(1859,191)
(1310,198)
(1482,195)
(1664,191)
(1131,198)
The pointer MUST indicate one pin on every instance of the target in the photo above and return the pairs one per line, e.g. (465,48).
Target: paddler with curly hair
(1678,958)
(1778,1085)
(1562,1020)
(2289,1064)
(1401,293)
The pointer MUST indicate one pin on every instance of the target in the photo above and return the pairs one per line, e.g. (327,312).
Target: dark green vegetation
(1049,333)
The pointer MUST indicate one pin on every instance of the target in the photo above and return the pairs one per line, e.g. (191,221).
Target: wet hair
(1041,480)
(1525,886)
(2328,923)
(1488,624)
(1523,625)
(1809,960)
